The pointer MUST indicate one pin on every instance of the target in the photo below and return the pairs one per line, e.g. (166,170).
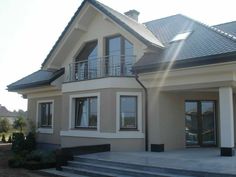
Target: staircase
(105,168)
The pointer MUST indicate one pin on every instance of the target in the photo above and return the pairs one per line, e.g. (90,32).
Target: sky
(29,29)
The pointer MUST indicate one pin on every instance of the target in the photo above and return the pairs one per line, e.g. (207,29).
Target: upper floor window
(86,62)
(119,52)
(45,114)
(86,112)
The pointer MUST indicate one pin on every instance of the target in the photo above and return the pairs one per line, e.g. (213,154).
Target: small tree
(4,125)
(19,123)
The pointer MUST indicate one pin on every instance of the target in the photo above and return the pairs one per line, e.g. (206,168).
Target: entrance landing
(192,159)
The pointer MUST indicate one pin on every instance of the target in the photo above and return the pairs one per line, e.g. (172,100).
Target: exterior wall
(47,138)
(116,144)
(107,123)
(106,29)
(167,116)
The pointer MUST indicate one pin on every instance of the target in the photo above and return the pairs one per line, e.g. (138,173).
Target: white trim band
(95,134)
(45,130)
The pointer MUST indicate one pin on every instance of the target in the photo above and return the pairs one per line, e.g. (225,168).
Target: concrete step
(52,172)
(88,172)
(119,170)
(140,167)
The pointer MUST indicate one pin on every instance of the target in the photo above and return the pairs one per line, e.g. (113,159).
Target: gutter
(146,112)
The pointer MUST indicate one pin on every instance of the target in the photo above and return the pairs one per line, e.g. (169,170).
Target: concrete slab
(194,159)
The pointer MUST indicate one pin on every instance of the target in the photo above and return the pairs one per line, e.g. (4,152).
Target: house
(165,84)
(5,113)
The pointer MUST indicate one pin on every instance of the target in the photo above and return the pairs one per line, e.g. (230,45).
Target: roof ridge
(218,31)
(161,18)
(224,23)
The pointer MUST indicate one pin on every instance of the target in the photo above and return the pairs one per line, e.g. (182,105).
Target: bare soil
(5,171)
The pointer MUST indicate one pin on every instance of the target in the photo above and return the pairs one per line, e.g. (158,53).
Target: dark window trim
(122,50)
(198,101)
(136,107)
(83,127)
(40,117)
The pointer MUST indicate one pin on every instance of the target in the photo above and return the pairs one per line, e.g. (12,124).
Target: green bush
(9,139)
(18,142)
(19,123)
(16,162)
(3,138)
(4,125)
(30,142)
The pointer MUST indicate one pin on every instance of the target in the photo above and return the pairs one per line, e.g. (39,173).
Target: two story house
(161,85)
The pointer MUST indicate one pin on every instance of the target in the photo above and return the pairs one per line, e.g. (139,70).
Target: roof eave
(191,62)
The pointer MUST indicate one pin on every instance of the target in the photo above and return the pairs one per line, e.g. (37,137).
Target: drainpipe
(146,111)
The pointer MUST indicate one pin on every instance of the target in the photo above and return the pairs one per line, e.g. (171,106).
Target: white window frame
(72,111)
(139,111)
(41,129)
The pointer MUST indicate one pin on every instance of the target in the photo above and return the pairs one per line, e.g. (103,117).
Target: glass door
(200,124)
(208,123)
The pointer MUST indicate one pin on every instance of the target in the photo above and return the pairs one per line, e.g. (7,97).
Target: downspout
(146,111)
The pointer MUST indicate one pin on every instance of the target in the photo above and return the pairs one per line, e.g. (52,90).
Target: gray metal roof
(38,78)
(203,42)
(229,27)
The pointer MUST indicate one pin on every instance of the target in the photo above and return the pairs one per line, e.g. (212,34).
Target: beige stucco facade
(167,92)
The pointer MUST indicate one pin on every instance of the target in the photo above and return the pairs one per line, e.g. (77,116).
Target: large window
(86,112)
(45,115)
(86,67)
(119,52)
(128,112)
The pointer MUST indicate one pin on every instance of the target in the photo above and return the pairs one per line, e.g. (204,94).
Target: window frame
(139,108)
(88,113)
(72,111)
(44,129)
(136,112)
(122,52)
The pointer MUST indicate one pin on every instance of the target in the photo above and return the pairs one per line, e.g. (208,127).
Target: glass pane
(113,52)
(93,112)
(81,114)
(128,58)
(208,122)
(45,114)
(87,58)
(191,123)
(128,111)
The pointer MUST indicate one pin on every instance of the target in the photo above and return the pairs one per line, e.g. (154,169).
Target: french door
(200,123)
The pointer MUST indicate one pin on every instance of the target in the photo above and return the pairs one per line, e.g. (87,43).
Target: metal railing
(100,67)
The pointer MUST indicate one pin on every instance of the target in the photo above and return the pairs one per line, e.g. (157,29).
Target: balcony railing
(107,66)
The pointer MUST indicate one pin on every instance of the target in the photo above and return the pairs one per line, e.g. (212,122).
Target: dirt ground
(5,171)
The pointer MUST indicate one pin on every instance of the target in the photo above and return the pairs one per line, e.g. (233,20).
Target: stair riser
(138,167)
(78,172)
(115,171)
(151,169)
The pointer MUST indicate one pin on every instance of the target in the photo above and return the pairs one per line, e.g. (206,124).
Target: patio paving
(193,159)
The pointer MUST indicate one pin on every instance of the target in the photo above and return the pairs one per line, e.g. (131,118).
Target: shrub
(18,142)
(16,162)
(3,138)
(9,139)
(30,142)
(4,125)
(19,123)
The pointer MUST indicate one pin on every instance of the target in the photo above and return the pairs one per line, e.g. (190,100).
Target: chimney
(133,14)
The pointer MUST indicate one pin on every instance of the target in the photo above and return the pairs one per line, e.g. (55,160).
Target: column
(226,121)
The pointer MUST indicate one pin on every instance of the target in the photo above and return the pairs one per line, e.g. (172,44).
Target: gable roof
(4,112)
(204,43)
(229,27)
(38,78)
(137,29)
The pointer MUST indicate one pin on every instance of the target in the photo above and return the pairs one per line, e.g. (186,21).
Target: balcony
(94,68)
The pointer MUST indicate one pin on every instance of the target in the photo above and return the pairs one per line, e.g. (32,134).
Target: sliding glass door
(200,123)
